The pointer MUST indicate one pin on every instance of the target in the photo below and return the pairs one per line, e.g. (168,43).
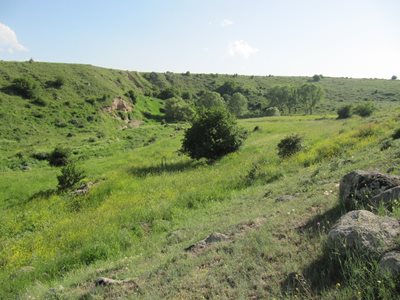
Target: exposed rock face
(364,232)
(118,104)
(391,262)
(362,189)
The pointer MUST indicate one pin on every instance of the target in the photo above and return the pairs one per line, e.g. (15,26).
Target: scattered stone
(358,188)
(362,231)
(83,190)
(284,198)
(390,262)
(212,238)
(387,196)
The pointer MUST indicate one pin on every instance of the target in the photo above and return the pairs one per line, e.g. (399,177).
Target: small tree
(70,176)
(394,77)
(132,96)
(59,157)
(213,134)
(289,145)
(316,78)
(344,112)
(176,109)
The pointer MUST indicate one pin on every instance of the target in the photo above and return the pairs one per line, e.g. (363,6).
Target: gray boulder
(364,232)
(361,189)
(390,262)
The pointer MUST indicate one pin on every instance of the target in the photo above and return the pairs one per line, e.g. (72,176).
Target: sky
(341,38)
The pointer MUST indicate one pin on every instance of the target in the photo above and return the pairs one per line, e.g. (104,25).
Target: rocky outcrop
(119,104)
(362,189)
(364,232)
(212,238)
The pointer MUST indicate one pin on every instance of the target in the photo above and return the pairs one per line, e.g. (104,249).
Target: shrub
(394,77)
(272,111)
(344,112)
(364,110)
(59,157)
(132,96)
(24,87)
(70,176)
(396,134)
(39,102)
(57,83)
(213,134)
(290,145)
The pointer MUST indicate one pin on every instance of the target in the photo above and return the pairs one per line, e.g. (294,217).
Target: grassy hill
(147,203)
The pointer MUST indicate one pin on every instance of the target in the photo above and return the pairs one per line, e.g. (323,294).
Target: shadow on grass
(43,194)
(164,167)
(150,116)
(322,223)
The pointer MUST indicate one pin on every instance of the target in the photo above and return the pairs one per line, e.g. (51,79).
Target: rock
(357,188)
(212,238)
(104,281)
(361,230)
(387,196)
(390,262)
(284,198)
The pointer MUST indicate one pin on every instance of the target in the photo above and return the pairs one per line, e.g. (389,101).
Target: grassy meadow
(147,202)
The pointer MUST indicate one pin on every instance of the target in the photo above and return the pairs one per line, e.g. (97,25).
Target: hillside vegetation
(146,203)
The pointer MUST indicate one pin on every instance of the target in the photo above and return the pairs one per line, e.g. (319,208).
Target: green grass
(148,203)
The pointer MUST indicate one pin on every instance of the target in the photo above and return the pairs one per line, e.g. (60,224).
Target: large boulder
(362,189)
(364,232)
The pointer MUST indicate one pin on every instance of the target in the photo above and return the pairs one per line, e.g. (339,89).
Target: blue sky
(355,38)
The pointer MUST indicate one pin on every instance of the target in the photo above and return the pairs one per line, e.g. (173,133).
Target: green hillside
(146,202)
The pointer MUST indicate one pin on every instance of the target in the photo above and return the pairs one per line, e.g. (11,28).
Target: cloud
(226,23)
(9,41)
(242,49)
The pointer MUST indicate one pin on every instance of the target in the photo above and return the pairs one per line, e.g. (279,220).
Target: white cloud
(9,41)
(242,49)
(226,23)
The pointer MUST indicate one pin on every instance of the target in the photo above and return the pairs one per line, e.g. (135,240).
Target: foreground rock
(363,189)
(364,232)
(390,262)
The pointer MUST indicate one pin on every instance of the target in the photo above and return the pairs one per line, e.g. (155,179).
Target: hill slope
(146,203)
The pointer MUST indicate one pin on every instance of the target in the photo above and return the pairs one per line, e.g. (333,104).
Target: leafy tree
(309,95)
(70,176)
(316,78)
(210,99)
(237,104)
(25,87)
(176,109)
(271,111)
(213,134)
(345,112)
(394,77)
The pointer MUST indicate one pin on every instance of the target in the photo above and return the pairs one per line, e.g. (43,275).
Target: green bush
(24,87)
(59,157)
(290,145)
(70,176)
(344,112)
(396,134)
(272,112)
(364,110)
(57,83)
(132,96)
(213,134)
